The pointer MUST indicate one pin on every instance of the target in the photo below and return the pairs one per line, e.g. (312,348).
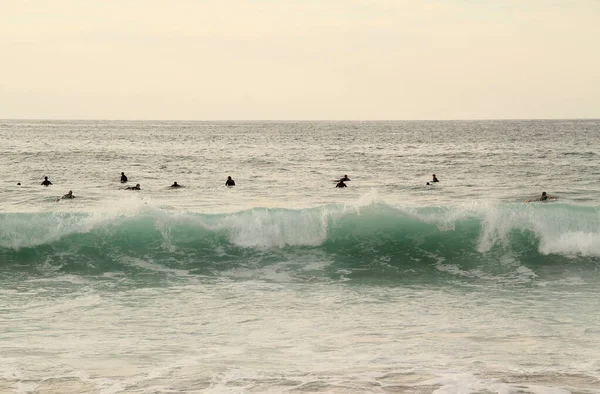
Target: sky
(299,59)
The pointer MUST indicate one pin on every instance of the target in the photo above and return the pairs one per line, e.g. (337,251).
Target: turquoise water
(285,283)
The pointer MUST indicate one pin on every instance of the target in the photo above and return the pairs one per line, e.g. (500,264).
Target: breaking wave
(375,240)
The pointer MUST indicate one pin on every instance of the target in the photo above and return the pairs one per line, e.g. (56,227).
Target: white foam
(271,228)
(577,243)
(150,266)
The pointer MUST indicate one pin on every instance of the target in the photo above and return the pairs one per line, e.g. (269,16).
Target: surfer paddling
(341,182)
(68,196)
(544,197)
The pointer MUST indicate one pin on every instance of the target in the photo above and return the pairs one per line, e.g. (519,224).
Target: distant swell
(376,238)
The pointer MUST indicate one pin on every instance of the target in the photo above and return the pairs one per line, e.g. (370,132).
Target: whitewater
(284,283)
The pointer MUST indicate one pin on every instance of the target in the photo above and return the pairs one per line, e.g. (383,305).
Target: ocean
(285,283)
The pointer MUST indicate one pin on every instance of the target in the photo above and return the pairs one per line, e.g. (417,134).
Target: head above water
(122,173)
(543,193)
(228,177)
(45,178)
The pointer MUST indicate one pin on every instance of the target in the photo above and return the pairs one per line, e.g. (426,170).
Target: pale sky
(299,59)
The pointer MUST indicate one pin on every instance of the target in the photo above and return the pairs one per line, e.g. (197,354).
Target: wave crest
(463,234)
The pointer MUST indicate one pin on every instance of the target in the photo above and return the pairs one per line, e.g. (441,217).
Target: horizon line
(292,120)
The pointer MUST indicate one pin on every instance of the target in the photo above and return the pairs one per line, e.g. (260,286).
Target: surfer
(46,182)
(136,187)
(341,184)
(123,178)
(435,178)
(68,196)
(543,197)
(229,182)
(344,179)
(175,185)
(546,197)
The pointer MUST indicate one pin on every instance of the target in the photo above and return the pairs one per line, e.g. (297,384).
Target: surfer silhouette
(546,197)
(67,196)
(435,178)
(229,182)
(136,187)
(543,197)
(46,182)
(123,178)
(341,184)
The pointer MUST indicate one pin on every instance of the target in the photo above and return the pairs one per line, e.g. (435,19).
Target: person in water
(68,196)
(341,184)
(229,182)
(136,187)
(123,178)
(46,182)
(543,197)
(546,197)
(435,178)
(345,178)
(174,185)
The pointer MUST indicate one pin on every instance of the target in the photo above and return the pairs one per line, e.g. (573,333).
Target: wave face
(377,241)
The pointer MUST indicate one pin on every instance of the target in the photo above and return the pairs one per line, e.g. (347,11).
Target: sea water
(285,283)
